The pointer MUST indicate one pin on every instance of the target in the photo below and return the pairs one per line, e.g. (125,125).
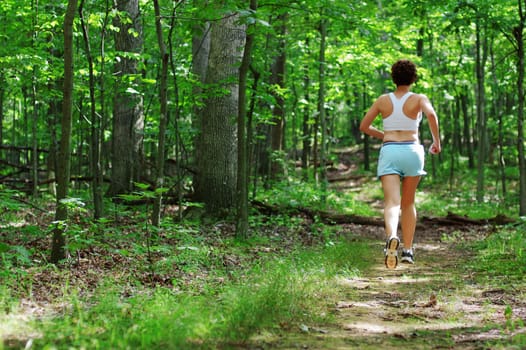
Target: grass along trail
(438,303)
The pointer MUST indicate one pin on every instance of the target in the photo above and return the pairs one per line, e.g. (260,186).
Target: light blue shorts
(402,158)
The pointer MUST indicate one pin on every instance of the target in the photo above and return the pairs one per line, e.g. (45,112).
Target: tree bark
(215,181)
(34,139)
(467,135)
(128,117)
(64,159)
(321,170)
(242,144)
(519,38)
(200,55)
(306,129)
(179,147)
(96,144)
(163,101)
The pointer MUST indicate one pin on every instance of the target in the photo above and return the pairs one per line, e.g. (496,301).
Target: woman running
(401,160)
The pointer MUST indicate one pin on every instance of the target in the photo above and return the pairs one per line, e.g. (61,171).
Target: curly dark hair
(403,72)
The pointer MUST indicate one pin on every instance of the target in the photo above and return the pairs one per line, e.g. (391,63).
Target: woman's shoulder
(422,97)
(419,95)
(416,97)
(384,97)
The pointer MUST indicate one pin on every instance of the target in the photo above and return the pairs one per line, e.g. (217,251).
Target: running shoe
(408,256)
(391,252)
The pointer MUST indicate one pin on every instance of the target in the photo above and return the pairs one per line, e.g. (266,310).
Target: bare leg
(391,188)
(409,185)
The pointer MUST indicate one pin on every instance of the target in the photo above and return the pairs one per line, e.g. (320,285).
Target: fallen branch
(455,219)
(325,217)
(337,219)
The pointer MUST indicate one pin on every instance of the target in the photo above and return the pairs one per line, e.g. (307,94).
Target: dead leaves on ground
(377,310)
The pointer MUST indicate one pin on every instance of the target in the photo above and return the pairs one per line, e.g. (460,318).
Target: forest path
(437,303)
(433,304)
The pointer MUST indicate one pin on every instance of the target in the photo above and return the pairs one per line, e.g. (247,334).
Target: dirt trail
(434,304)
(437,303)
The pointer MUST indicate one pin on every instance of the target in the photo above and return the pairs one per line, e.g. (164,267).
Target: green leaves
(144,192)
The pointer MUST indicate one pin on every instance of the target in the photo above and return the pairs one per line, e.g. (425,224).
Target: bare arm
(432,118)
(366,124)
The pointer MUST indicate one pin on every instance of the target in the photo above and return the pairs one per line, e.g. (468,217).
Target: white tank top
(398,120)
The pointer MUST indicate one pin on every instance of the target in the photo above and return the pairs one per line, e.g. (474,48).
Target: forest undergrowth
(297,282)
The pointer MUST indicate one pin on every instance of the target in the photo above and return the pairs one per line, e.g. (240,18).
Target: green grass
(500,263)
(502,255)
(287,290)
(293,194)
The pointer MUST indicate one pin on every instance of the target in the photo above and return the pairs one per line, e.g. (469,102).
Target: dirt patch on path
(436,303)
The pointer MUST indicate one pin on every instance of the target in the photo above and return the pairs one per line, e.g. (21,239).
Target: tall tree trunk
(200,55)
(322,175)
(518,33)
(35,109)
(128,116)
(250,132)
(163,100)
(262,147)
(96,144)
(456,142)
(306,129)
(215,180)
(178,141)
(498,110)
(105,147)
(53,115)
(467,136)
(481,55)
(242,144)
(278,112)
(64,159)
(34,139)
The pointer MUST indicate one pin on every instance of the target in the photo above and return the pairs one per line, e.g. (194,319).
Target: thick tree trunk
(215,181)
(200,55)
(128,117)
(64,159)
